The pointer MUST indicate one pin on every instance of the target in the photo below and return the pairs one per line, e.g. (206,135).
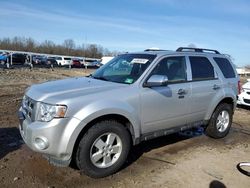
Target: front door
(166,106)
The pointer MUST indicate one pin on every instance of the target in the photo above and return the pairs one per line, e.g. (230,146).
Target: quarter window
(225,67)
(201,68)
(173,67)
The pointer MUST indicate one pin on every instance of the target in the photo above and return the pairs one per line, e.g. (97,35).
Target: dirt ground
(180,160)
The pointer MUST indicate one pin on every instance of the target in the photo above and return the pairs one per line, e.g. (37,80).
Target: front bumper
(244,99)
(55,134)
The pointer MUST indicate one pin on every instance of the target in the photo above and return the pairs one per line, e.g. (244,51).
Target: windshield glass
(126,68)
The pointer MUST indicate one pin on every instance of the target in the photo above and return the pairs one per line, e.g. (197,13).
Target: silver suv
(93,121)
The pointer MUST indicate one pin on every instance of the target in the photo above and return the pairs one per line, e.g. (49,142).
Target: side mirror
(156,81)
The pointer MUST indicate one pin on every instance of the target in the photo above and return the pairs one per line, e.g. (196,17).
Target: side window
(225,67)
(201,68)
(173,67)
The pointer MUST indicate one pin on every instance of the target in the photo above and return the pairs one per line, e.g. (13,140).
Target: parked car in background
(51,62)
(89,63)
(17,58)
(97,63)
(63,60)
(39,60)
(14,58)
(3,57)
(244,96)
(77,62)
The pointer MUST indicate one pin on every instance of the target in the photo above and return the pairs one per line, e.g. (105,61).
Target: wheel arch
(229,100)
(115,117)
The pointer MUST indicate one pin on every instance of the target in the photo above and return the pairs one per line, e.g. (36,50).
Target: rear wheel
(221,121)
(103,149)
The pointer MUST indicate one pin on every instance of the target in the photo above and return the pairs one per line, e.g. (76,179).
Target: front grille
(247,101)
(248,93)
(28,107)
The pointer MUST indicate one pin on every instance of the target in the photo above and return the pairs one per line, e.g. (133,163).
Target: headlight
(47,111)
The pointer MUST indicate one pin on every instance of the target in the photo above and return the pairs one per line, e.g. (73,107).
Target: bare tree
(5,43)
(48,47)
(68,47)
(69,44)
(30,44)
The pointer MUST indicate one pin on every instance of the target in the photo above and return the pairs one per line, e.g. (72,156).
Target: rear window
(225,67)
(67,58)
(201,67)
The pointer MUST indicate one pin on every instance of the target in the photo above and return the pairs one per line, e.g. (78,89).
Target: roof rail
(187,49)
(153,49)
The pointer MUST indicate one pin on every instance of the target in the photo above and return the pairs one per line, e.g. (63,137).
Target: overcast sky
(134,25)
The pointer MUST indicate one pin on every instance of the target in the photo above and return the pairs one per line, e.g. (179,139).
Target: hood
(69,88)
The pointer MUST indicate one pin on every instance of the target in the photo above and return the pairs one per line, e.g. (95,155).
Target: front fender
(101,108)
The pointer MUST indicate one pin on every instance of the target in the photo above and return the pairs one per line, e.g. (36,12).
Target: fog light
(41,143)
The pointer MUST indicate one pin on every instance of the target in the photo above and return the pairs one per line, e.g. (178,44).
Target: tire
(95,141)
(220,121)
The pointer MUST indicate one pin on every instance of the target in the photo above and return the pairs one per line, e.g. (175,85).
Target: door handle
(215,87)
(181,92)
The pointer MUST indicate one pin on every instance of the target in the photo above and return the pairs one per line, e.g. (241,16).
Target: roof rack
(188,49)
(153,49)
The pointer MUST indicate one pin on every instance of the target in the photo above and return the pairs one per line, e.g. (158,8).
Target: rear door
(205,86)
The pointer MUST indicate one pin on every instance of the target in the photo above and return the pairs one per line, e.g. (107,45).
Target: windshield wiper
(100,78)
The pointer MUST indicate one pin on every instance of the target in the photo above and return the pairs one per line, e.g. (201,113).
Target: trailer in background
(106,59)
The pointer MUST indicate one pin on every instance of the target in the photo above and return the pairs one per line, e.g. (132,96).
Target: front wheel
(221,121)
(103,149)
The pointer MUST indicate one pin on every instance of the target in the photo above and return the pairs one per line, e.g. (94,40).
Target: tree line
(68,47)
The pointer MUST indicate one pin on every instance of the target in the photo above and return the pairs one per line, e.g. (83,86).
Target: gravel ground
(180,160)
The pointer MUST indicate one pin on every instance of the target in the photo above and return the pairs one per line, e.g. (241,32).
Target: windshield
(126,68)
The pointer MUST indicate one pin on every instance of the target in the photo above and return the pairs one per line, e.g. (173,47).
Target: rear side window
(225,67)
(201,67)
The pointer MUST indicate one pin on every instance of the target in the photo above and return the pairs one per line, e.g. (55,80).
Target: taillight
(239,87)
